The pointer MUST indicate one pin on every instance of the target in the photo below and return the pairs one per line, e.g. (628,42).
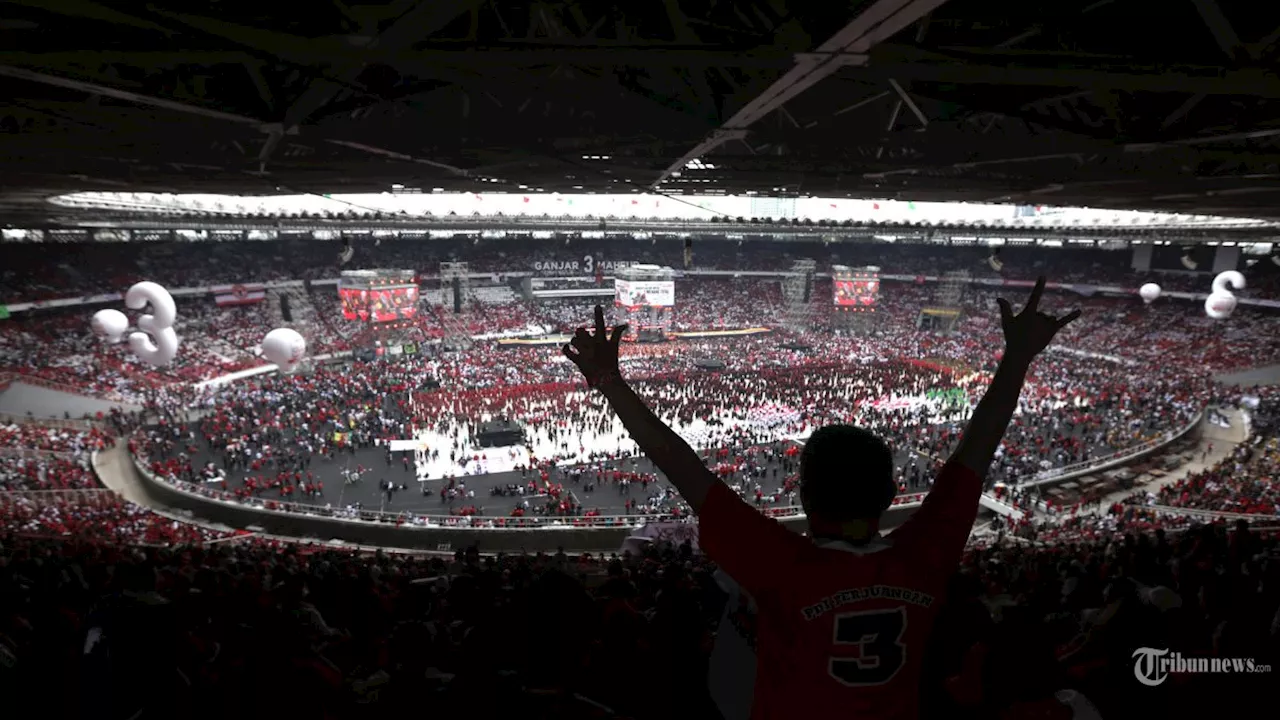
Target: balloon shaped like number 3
(1222,302)
(157,344)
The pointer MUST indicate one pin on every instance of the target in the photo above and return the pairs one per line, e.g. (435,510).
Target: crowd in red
(106,600)
(1245,482)
(54,345)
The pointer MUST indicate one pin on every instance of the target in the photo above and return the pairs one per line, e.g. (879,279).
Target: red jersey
(841,629)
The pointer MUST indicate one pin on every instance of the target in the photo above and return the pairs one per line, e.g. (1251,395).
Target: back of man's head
(846,475)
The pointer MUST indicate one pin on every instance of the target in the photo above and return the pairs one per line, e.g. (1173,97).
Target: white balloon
(1230,277)
(110,324)
(1220,305)
(157,344)
(163,309)
(1149,293)
(284,347)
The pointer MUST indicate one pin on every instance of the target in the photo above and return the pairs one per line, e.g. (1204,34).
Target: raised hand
(596,353)
(1029,332)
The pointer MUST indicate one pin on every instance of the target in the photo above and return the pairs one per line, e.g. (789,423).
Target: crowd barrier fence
(1067,472)
(64,423)
(1210,514)
(436,532)
(431,532)
(93,497)
(36,454)
(38,381)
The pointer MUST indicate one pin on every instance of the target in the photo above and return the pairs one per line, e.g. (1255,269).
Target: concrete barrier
(322,528)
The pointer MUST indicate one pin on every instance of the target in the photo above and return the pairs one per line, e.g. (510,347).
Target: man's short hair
(846,473)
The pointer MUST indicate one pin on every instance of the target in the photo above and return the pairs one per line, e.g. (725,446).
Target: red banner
(239,294)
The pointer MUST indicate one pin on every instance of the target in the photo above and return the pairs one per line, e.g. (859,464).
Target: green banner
(955,395)
(4,312)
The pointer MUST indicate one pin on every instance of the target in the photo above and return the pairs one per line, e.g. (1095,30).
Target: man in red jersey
(844,614)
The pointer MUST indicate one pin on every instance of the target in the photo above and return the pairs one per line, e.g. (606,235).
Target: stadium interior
(286,427)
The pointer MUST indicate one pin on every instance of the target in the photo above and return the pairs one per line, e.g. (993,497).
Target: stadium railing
(64,423)
(69,389)
(86,496)
(405,520)
(414,531)
(35,454)
(1209,514)
(1066,472)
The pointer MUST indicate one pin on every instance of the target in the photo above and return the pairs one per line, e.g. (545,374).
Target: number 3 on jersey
(868,647)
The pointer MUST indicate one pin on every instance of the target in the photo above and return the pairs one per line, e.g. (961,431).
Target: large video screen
(397,302)
(856,290)
(645,293)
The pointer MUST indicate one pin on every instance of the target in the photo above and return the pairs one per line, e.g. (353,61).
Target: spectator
(872,667)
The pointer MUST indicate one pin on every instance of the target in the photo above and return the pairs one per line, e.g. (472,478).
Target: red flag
(635,202)
(875,206)
(526,199)
(833,205)
(477,196)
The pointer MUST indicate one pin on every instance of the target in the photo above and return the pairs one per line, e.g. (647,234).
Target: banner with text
(239,294)
(645,293)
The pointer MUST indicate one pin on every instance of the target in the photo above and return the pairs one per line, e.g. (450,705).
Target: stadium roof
(1095,103)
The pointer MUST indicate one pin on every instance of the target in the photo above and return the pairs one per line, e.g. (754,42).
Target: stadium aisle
(1223,441)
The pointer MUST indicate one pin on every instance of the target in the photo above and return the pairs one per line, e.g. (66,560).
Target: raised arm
(1025,336)
(596,355)
(941,525)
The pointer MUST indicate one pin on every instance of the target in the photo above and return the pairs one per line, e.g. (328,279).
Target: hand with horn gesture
(596,353)
(1029,332)
(1026,335)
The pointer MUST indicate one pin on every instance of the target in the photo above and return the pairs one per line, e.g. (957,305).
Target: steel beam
(424,19)
(393,155)
(861,103)
(911,104)
(1187,106)
(684,33)
(873,26)
(87,10)
(1223,33)
(598,54)
(909,63)
(128,96)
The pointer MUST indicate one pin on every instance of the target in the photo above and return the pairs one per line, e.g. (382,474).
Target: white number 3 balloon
(157,344)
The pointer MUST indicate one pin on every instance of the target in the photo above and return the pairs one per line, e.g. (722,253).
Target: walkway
(116,471)
(1224,441)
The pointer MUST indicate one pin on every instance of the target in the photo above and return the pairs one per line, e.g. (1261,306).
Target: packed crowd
(113,606)
(55,347)
(1076,410)
(253,629)
(48,487)
(1245,482)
